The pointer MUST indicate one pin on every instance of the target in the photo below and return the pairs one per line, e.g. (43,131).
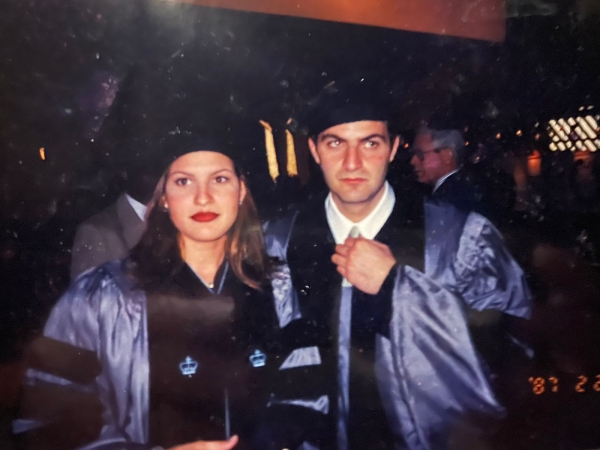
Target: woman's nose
(203,195)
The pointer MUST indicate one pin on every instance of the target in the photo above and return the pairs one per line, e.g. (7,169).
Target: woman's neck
(204,258)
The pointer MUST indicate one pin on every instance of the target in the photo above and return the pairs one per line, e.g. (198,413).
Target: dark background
(63,65)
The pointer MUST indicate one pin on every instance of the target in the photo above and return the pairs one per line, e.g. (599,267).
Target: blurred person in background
(437,158)
(114,231)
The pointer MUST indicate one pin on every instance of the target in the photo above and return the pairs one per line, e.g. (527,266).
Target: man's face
(354,158)
(430,163)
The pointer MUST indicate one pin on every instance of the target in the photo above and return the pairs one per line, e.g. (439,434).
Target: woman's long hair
(157,256)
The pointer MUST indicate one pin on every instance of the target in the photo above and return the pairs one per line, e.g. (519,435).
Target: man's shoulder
(106,219)
(280,228)
(299,210)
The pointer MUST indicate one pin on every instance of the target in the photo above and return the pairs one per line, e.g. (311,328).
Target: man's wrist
(388,283)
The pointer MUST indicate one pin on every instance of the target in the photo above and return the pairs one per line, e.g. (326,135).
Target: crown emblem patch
(258,358)
(188,367)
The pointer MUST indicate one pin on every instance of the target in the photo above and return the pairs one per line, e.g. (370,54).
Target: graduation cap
(181,142)
(351,100)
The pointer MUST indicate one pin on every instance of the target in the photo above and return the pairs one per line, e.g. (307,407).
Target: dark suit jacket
(460,191)
(106,236)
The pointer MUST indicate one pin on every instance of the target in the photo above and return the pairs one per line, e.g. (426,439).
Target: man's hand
(209,445)
(364,263)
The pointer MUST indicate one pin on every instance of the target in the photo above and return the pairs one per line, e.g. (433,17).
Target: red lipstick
(205,216)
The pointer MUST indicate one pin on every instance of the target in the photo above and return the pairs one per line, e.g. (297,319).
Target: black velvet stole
(371,315)
(218,333)
(319,286)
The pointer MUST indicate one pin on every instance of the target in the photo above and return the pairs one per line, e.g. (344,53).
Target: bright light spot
(590,146)
(498,136)
(42,153)
(574,133)
(592,122)
(519,133)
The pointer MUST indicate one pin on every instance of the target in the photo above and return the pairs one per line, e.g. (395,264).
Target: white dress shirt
(139,208)
(340,227)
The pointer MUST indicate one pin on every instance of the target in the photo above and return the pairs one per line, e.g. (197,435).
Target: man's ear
(395,146)
(313,150)
(447,155)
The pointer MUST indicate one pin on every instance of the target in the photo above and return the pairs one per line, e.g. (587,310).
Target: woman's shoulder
(112,271)
(109,278)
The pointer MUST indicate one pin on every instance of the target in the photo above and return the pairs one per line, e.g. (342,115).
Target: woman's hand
(209,445)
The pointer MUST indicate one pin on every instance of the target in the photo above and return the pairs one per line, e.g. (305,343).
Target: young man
(374,302)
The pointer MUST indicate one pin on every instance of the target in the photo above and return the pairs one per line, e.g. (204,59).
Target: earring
(165,207)
(240,203)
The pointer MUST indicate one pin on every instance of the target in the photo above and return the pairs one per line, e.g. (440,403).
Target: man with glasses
(373,301)
(437,158)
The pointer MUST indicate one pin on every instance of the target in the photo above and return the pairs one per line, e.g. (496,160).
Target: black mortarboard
(178,143)
(349,102)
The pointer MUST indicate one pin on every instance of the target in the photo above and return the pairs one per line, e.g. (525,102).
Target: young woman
(182,328)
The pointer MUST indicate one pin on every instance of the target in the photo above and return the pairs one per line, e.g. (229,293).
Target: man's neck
(358,211)
(204,258)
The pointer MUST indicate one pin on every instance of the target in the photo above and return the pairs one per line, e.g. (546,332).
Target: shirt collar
(340,225)
(439,182)
(139,208)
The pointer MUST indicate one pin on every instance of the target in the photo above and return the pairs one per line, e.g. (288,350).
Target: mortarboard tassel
(292,166)
(271,154)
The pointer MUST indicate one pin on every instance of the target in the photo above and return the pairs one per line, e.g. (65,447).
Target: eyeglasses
(420,154)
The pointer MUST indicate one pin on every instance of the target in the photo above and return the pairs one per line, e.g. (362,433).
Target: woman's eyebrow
(180,172)
(222,170)
(189,174)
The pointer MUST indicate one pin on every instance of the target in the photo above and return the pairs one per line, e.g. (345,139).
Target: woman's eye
(182,181)
(221,179)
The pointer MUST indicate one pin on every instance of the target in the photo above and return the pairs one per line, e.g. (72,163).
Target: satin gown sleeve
(100,313)
(429,374)
(485,274)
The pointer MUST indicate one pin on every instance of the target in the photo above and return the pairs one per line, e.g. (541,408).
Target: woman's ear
(243,190)
(163,203)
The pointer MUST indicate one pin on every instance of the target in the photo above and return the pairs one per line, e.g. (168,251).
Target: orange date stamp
(542,385)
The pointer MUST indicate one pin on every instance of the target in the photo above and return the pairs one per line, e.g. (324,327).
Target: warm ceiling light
(574,133)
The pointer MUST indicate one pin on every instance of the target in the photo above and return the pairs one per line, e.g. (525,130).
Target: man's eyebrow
(375,136)
(331,136)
